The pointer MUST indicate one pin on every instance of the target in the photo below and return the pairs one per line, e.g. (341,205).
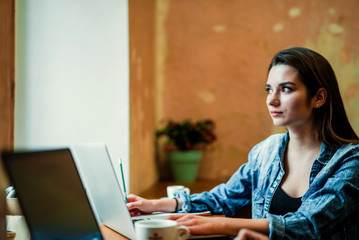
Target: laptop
(51,195)
(103,187)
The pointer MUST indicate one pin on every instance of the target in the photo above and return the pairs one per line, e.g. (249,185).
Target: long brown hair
(330,120)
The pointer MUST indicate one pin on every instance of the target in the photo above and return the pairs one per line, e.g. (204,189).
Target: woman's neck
(303,140)
(303,148)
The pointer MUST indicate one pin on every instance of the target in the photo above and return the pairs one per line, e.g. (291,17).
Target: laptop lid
(51,195)
(103,188)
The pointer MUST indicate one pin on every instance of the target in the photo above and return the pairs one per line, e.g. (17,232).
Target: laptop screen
(51,195)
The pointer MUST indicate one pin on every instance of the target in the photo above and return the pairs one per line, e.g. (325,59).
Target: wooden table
(109,234)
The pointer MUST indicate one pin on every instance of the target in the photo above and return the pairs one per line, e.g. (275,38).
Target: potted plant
(185,142)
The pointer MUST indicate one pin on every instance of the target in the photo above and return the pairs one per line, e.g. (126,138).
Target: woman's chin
(279,124)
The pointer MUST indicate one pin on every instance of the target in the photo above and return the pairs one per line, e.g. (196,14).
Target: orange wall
(209,58)
(212,58)
(143,171)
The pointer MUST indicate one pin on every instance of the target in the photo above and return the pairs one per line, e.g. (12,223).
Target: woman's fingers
(196,224)
(133,198)
(176,216)
(137,205)
(246,234)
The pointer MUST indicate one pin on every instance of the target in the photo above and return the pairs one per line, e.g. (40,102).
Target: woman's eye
(286,89)
(268,90)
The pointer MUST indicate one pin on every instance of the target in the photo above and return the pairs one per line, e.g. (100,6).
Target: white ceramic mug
(171,190)
(160,229)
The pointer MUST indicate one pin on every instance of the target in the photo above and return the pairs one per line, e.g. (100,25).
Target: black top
(282,203)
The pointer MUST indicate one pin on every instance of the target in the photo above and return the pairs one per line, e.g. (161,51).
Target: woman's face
(287,98)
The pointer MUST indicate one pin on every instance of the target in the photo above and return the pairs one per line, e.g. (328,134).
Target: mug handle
(182,233)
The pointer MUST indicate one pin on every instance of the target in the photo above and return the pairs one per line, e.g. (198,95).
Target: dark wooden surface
(109,234)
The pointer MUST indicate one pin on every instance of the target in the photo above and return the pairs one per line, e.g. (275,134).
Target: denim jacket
(328,209)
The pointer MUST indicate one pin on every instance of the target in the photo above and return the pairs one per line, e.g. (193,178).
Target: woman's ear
(320,98)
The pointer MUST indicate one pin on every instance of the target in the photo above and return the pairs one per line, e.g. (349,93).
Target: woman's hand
(223,226)
(139,206)
(246,234)
(198,224)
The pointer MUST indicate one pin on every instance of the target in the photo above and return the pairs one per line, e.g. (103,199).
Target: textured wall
(7,79)
(212,58)
(143,171)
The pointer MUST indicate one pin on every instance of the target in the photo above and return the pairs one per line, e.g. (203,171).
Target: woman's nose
(273,99)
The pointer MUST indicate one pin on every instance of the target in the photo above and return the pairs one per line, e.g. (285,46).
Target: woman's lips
(275,113)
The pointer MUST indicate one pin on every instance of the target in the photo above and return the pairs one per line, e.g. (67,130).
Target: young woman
(303,184)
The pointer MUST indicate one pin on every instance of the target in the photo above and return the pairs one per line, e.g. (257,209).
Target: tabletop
(109,234)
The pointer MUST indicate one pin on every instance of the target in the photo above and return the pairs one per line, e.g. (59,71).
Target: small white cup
(160,229)
(171,190)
